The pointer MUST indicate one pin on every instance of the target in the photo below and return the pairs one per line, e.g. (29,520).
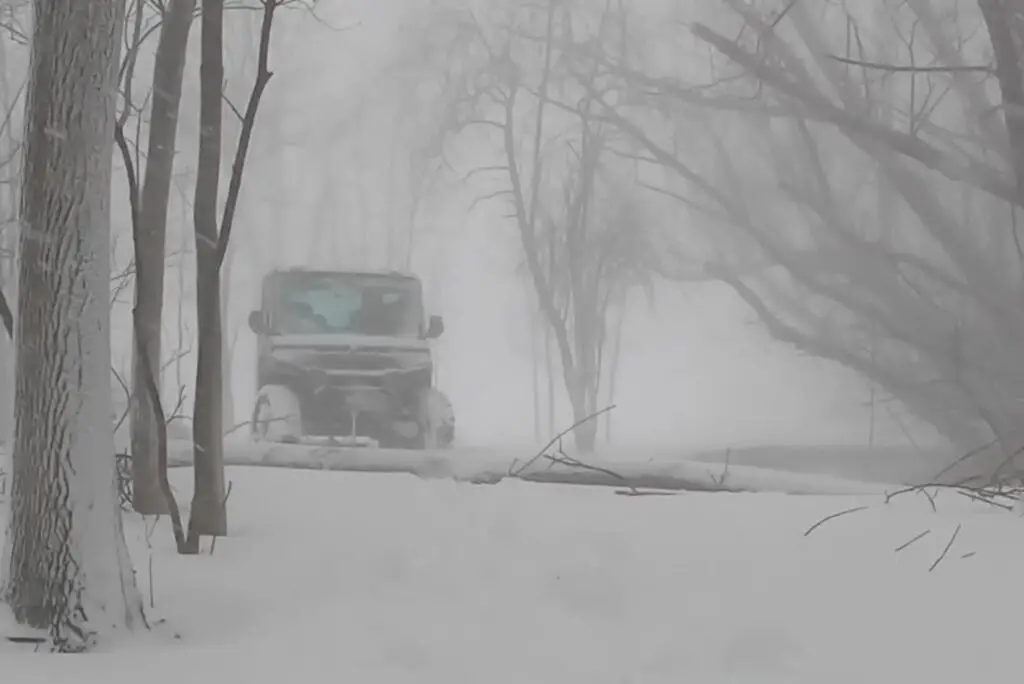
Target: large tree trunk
(66,566)
(583,402)
(10,148)
(209,514)
(168,72)
(7,361)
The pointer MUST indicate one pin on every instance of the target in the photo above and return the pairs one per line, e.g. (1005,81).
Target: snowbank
(331,577)
(490,467)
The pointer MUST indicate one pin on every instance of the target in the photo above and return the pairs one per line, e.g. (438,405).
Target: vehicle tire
(277,415)
(437,421)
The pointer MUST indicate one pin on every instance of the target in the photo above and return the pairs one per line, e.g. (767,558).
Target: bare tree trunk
(8,286)
(228,397)
(168,73)
(535,368)
(66,566)
(209,514)
(179,379)
(8,243)
(549,371)
(583,406)
(209,509)
(243,70)
(613,373)
(419,190)
(6,366)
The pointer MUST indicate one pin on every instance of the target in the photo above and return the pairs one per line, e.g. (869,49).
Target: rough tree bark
(66,566)
(10,149)
(168,73)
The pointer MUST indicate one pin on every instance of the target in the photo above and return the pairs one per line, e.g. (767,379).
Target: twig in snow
(995,479)
(719,480)
(562,458)
(833,516)
(906,544)
(516,472)
(949,544)
(992,495)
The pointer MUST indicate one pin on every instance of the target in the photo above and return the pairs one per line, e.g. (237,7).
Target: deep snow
(388,578)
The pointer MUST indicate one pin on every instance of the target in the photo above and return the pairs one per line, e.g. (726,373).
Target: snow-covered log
(66,569)
(490,468)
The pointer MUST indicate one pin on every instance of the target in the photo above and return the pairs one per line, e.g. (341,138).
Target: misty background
(336,178)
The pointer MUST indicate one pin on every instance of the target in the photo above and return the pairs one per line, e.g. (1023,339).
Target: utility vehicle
(344,357)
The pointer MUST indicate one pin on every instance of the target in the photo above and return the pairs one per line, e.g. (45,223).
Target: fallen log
(481,467)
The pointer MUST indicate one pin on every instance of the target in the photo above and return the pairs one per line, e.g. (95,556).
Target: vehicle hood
(356,353)
(341,343)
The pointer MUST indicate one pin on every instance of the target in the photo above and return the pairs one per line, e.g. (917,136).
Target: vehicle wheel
(437,421)
(277,415)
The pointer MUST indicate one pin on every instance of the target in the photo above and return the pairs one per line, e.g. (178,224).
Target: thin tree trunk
(535,368)
(411,229)
(209,514)
(549,371)
(391,246)
(228,394)
(168,72)
(66,567)
(585,434)
(209,502)
(246,24)
(613,372)
(179,379)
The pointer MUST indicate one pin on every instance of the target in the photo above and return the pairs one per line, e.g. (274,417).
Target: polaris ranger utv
(344,358)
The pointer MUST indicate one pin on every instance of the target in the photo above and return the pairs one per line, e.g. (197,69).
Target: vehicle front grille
(343,362)
(341,381)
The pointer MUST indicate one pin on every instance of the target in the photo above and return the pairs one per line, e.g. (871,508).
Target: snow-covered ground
(334,577)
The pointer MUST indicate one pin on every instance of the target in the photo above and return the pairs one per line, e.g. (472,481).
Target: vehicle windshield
(345,303)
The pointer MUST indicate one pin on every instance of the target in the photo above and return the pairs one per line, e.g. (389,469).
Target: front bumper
(381,408)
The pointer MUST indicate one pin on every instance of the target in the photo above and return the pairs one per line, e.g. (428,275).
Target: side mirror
(258,323)
(435,328)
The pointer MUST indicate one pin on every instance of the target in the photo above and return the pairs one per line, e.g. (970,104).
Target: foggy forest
(511,340)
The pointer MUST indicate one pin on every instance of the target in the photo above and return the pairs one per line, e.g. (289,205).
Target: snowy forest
(595,340)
